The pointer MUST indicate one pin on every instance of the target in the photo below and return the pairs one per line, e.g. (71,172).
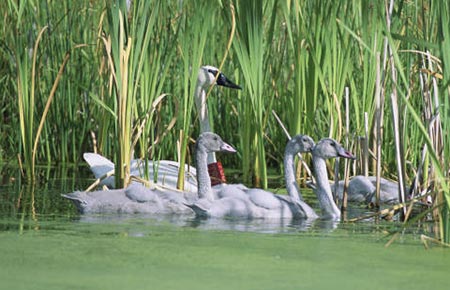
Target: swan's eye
(215,138)
(214,72)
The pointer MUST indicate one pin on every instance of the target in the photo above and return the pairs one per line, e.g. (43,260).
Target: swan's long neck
(203,181)
(292,186)
(202,109)
(289,175)
(323,190)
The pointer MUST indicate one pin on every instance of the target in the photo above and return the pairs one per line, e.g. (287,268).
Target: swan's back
(232,207)
(235,207)
(264,199)
(230,190)
(362,189)
(134,199)
(109,201)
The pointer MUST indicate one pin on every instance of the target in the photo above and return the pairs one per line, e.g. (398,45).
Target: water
(47,245)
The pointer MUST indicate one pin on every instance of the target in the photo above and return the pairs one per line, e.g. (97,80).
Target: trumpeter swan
(168,170)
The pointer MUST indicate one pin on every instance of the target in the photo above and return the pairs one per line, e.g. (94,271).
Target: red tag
(216,173)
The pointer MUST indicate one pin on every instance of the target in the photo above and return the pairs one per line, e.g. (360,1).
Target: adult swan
(168,170)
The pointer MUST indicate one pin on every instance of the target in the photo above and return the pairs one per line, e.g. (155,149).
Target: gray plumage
(237,201)
(139,199)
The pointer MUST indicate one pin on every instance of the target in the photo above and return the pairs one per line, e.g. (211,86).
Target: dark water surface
(45,244)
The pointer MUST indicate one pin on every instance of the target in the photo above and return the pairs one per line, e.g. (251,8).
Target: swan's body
(325,149)
(240,202)
(167,171)
(139,199)
(362,189)
(134,199)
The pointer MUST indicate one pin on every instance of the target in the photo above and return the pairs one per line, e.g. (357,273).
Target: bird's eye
(214,72)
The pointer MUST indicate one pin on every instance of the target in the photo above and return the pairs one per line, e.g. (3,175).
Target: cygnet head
(300,144)
(210,142)
(207,74)
(330,148)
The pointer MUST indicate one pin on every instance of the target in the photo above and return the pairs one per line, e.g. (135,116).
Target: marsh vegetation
(79,76)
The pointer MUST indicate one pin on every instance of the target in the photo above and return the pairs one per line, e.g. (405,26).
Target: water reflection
(144,224)
(240,225)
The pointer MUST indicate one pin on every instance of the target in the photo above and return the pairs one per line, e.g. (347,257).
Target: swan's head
(207,75)
(209,142)
(330,148)
(300,144)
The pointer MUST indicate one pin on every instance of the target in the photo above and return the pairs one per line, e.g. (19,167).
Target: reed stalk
(126,46)
(395,109)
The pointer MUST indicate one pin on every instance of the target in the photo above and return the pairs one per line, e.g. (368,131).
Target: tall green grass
(252,52)
(293,57)
(126,42)
(28,63)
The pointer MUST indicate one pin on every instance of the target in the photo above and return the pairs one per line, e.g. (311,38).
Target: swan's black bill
(222,80)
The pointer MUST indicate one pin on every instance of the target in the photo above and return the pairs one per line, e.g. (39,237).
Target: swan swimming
(240,202)
(363,189)
(139,199)
(325,149)
(168,170)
